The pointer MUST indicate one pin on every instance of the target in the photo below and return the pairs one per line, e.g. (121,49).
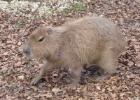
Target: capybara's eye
(41,39)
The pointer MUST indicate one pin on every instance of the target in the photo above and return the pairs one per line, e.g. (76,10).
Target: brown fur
(89,40)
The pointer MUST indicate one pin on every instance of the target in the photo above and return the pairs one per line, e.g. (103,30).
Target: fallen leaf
(56,90)
(21,77)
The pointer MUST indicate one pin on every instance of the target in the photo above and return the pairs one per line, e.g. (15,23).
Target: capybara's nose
(26,50)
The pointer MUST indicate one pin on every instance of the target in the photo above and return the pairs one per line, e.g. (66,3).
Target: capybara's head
(36,45)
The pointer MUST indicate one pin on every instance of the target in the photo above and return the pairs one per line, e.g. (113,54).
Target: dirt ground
(16,72)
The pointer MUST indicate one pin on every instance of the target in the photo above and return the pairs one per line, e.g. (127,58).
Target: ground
(16,72)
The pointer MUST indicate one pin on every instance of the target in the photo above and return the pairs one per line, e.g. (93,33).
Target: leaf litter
(16,71)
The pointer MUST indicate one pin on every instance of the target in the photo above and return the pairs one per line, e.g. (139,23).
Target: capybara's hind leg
(108,62)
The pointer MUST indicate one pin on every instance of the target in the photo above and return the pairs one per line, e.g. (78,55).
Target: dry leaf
(56,90)
(21,77)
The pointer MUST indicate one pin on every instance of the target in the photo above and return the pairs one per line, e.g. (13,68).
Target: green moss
(79,6)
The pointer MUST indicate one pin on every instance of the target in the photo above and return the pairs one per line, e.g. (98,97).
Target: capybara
(88,40)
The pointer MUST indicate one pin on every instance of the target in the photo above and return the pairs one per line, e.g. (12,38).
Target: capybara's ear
(49,30)
(55,30)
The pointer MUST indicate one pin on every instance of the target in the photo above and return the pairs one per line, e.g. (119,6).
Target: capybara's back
(89,40)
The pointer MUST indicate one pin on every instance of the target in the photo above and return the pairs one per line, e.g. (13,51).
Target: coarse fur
(88,40)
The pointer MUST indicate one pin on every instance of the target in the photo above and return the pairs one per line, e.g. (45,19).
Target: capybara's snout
(26,50)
